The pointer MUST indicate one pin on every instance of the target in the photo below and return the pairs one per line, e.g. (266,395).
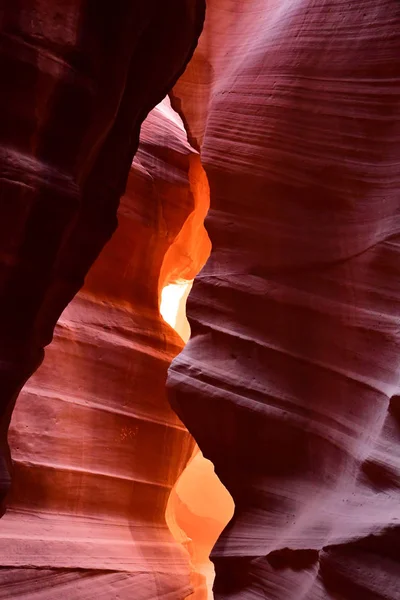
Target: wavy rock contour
(78,79)
(290,380)
(95,445)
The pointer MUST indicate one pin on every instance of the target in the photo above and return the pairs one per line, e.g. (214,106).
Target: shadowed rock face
(289,380)
(78,78)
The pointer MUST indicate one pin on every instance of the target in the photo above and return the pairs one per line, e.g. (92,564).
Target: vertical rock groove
(290,378)
(199,506)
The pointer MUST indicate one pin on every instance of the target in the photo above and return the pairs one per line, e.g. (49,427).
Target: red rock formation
(96,447)
(290,380)
(78,78)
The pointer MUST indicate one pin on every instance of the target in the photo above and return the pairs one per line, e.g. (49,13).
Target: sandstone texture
(77,78)
(95,445)
(286,123)
(290,380)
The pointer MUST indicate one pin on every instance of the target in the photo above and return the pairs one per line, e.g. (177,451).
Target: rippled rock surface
(289,382)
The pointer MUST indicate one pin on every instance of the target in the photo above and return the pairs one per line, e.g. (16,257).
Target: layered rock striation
(290,380)
(78,79)
(95,446)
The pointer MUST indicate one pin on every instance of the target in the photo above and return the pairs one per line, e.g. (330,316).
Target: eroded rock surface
(289,382)
(77,79)
(95,445)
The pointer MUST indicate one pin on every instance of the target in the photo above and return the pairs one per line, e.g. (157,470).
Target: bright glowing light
(172,307)
(199,506)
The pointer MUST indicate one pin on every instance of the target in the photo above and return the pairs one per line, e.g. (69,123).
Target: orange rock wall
(95,445)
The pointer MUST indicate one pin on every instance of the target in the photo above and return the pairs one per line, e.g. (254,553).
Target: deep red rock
(95,445)
(78,78)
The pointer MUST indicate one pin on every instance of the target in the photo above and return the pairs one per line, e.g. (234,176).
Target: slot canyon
(200,300)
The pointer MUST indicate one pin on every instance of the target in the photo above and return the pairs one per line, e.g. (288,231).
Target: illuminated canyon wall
(96,447)
(290,380)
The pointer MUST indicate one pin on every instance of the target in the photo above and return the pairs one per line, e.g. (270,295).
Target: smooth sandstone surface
(290,381)
(95,444)
(77,78)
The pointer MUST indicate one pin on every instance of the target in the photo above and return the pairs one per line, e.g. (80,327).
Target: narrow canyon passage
(199,506)
(264,194)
